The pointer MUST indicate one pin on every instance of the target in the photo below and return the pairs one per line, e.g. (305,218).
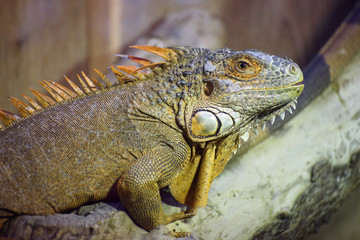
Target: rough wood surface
(345,222)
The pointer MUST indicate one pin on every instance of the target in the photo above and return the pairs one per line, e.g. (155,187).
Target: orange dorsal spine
(59,93)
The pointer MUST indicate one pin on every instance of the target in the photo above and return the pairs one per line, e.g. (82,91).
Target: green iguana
(174,123)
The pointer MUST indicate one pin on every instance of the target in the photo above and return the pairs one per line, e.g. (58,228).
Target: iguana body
(174,123)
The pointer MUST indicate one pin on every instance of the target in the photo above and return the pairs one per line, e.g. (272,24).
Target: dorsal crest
(59,93)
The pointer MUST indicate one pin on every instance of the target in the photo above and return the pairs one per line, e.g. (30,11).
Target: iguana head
(240,90)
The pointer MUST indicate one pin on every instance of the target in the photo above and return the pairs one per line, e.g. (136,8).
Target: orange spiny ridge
(139,60)
(86,89)
(44,100)
(132,71)
(143,70)
(52,93)
(128,68)
(103,77)
(150,66)
(121,77)
(22,107)
(60,92)
(165,53)
(64,89)
(33,103)
(19,106)
(97,83)
(7,117)
(89,82)
(74,86)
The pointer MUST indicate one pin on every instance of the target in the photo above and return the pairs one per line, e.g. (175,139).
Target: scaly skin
(176,123)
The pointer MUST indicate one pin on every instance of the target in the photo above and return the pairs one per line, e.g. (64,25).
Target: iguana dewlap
(174,123)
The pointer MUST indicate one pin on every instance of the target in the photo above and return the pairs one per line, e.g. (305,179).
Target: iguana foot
(190,212)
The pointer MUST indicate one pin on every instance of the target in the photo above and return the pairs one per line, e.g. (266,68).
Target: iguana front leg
(139,187)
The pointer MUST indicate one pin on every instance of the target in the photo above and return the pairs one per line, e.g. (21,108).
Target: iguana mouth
(297,84)
(271,111)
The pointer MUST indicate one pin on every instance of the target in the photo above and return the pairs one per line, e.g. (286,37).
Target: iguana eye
(242,66)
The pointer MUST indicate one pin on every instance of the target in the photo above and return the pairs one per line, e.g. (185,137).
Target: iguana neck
(171,89)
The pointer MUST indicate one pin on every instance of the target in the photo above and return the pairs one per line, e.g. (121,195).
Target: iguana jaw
(295,89)
(270,114)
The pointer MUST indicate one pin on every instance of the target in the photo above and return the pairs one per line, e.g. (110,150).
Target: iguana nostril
(293,69)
